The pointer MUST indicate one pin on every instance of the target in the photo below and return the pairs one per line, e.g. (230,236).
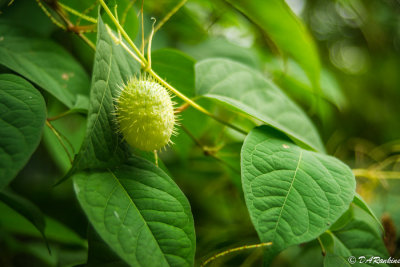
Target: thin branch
(234,250)
(322,247)
(149,46)
(141,11)
(167,17)
(70,26)
(87,41)
(125,14)
(56,133)
(126,36)
(181,108)
(375,174)
(77,13)
(86,11)
(48,14)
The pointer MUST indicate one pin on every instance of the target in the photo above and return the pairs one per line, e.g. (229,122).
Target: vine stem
(78,30)
(167,17)
(123,32)
(77,13)
(192,103)
(59,139)
(376,174)
(233,250)
(145,64)
(322,246)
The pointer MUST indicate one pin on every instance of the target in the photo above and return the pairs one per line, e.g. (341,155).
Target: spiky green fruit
(145,114)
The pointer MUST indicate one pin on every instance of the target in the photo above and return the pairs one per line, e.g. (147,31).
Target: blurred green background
(359,47)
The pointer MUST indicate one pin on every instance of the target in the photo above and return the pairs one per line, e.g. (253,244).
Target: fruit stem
(147,67)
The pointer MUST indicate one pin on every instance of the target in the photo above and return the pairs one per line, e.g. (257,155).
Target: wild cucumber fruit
(145,114)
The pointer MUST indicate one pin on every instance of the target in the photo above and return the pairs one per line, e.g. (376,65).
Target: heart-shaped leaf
(288,32)
(356,243)
(22,116)
(293,195)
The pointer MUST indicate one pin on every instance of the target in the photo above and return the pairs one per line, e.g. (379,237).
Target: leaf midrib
(287,195)
(138,211)
(101,106)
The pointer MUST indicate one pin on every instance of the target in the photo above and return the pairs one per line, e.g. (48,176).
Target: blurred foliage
(356,111)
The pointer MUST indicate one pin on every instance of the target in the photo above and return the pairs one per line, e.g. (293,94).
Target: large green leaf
(359,240)
(293,195)
(359,202)
(248,91)
(140,213)
(22,116)
(43,62)
(113,66)
(286,30)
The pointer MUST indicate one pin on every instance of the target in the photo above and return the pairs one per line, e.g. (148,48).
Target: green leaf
(43,62)
(293,78)
(286,30)
(222,48)
(27,209)
(139,212)
(358,201)
(102,146)
(346,218)
(22,116)
(248,91)
(293,195)
(357,239)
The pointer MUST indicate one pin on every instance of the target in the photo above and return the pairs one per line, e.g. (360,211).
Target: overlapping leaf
(286,30)
(357,239)
(43,62)
(140,213)
(293,195)
(248,91)
(22,116)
